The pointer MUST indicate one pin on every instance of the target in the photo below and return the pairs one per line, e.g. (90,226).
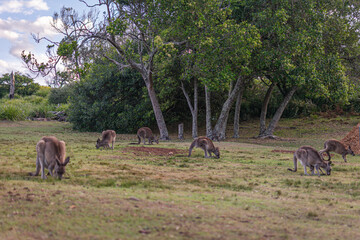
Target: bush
(11,112)
(43,91)
(23,108)
(60,95)
(109,99)
(15,109)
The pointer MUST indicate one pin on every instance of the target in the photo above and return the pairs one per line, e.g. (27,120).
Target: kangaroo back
(51,154)
(146,133)
(206,144)
(108,137)
(334,145)
(310,157)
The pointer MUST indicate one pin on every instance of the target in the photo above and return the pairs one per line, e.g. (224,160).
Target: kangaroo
(144,133)
(51,155)
(205,144)
(309,157)
(333,145)
(108,137)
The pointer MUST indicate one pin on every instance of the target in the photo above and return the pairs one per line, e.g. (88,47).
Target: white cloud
(23,6)
(19,32)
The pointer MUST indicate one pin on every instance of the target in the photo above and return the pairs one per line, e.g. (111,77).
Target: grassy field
(157,192)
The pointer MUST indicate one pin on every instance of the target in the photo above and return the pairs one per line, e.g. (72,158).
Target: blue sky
(20,18)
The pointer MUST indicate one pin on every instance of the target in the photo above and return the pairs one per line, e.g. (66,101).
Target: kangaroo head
(327,167)
(351,151)
(217,152)
(98,143)
(60,167)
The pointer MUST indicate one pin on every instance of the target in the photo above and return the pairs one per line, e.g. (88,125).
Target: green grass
(125,194)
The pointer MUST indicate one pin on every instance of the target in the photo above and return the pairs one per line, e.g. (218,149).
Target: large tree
(216,53)
(295,50)
(134,30)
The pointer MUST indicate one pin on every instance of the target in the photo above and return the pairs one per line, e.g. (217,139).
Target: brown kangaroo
(309,157)
(333,145)
(108,137)
(51,155)
(205,144)
(144,133)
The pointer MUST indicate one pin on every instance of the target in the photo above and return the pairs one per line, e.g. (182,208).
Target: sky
(20,18)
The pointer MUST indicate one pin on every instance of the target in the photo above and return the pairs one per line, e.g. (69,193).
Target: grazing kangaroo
(205,144)
(51,155)
(309,157)
(333,145)
(144,133)
(108,137)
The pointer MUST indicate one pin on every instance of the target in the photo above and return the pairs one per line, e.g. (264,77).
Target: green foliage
(24,108)
(24,86)
(12,112)
(43,91)
(110,99)
(60,95)
(66,49)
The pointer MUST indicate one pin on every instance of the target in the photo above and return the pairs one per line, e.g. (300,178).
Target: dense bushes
(60,95)
(23,108)
(110,99)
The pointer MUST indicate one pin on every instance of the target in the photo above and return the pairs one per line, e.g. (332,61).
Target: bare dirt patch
(154,151)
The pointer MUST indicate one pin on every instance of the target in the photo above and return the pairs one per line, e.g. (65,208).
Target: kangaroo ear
(67,160)
(57,162)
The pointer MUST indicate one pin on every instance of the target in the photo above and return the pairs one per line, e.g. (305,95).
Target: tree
(216,52)
(134,29)
(25,85)
(293,52)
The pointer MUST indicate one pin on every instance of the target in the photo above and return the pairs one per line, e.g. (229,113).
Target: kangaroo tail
(139,139)
(191,147)
(295,164)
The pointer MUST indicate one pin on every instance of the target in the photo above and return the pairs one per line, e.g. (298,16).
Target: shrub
(60,95)
(43,91)
(23,108)
(109,99)
(16,109)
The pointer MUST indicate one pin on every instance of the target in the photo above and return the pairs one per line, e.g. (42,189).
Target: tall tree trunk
(195,115)
(264,108)
(268,133)
(237,112)
(209,133)
(220,127)
(12,85)
(164,135)
(193,108)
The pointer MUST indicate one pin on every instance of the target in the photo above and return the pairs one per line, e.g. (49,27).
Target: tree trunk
(193,109)
(12,85)
(264,108)
(164,135)
(195,114)
(181,131)
(237,112)
(268,133)
(209,133)
(220,127)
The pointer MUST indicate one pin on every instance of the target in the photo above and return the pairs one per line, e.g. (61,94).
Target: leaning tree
(135,30)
